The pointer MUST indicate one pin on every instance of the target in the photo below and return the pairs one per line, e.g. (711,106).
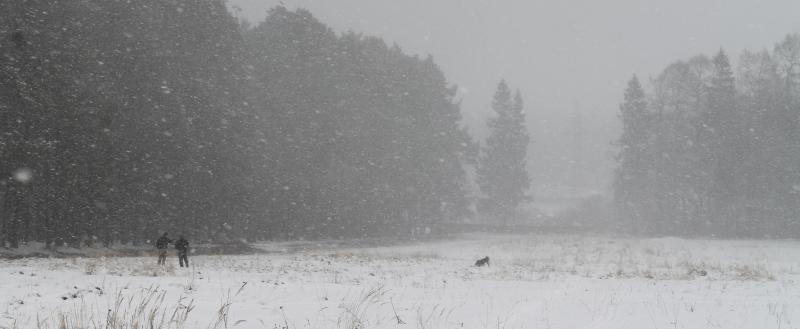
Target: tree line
(123,119)
(714,148)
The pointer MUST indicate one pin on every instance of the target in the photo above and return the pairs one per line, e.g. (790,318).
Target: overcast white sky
(565,55)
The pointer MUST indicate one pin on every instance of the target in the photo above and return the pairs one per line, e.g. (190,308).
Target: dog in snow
(482,262)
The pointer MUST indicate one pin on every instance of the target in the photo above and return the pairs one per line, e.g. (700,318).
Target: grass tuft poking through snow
(143,308)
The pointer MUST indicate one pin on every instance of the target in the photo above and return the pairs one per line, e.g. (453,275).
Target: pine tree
(721,154)
(502,173)
(720,124)
(632,181)
(140,116)
(786,154)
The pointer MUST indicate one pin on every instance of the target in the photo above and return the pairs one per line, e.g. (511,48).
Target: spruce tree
(721,150)
(502,174)
(631,181)
(721,132)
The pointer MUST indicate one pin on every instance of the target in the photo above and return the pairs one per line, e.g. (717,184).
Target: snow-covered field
(535,281)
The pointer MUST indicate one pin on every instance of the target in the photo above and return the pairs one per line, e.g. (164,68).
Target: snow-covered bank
(536,281)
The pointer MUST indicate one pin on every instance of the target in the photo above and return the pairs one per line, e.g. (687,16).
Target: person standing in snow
(183,251)
(161,244)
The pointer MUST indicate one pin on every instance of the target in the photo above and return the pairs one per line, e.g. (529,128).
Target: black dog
(483,261)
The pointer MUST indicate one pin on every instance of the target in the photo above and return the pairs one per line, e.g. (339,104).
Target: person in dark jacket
(183,251)
(161,244)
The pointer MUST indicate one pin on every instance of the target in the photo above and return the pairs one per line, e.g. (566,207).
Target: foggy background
(177,116)
(571,59)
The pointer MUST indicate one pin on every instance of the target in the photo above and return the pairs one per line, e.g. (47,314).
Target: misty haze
(399,164)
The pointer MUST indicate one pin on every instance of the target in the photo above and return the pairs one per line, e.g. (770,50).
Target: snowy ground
(536,281)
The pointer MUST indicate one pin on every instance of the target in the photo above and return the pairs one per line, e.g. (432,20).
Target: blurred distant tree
(722,150)
(632,180)
(502,173)
(722,139)
(364,139)
(129,116)
(122,119)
